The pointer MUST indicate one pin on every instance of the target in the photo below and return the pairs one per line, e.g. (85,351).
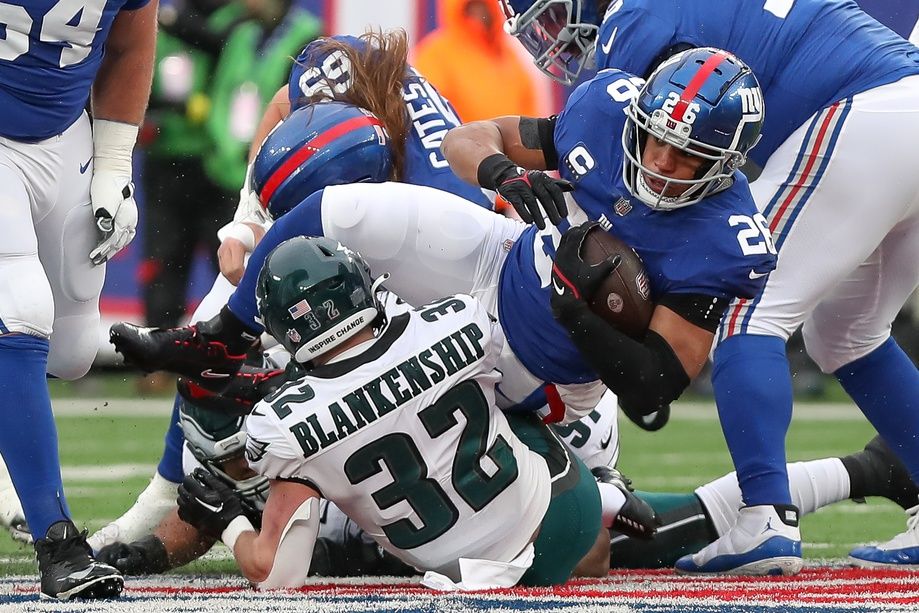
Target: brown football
(624,298)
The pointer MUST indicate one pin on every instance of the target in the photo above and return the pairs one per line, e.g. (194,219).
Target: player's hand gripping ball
(596,267)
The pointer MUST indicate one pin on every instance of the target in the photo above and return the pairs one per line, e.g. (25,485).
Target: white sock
(611,501)
(813,485)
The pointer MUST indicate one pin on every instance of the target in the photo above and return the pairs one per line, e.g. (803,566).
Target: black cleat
(636,517)
(67,567)
(189,352)
(876,471)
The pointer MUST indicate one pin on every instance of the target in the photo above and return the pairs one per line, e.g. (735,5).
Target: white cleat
(153,504)
(764,541)
(900,552)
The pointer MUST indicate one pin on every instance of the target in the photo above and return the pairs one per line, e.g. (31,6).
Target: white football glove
(112,191)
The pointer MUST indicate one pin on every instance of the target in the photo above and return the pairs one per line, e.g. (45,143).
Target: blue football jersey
(50,51)
(717,247)
(429,117)
(806,54)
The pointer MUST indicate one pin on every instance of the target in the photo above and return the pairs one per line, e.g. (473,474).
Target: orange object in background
(472,62)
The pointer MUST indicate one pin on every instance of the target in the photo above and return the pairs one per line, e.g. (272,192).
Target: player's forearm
(467,145)
(183,542)
(646,376)
(122,86)
(254,556)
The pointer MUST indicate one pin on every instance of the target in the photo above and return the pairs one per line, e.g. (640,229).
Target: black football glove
(207,503)
(573,279)
(146,556)
(526,190)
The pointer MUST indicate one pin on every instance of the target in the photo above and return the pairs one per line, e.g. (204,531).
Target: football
(624,298)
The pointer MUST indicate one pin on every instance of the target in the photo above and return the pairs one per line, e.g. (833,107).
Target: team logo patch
(622,207)
(507,244)
(614,302)
(255,449)
(643,285)
(293,335)
(300,309)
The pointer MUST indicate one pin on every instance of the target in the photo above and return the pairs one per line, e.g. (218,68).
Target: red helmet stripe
(308,150)
(695,84)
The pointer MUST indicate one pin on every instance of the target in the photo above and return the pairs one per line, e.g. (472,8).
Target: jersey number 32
(399,452)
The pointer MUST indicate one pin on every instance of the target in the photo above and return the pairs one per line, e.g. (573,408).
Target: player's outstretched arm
(239,237)
(507,155)
(174,543)
(119,98)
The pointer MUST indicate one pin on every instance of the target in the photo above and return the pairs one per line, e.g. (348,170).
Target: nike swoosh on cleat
(558,290)
(210,374)
(82,574)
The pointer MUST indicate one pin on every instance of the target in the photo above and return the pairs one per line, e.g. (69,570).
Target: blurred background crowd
(218,63)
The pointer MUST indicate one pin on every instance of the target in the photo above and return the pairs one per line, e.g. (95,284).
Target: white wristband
(113,145)
(236,527)
(240,231)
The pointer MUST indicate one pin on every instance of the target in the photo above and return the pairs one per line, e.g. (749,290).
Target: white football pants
(842,199)
(48,286)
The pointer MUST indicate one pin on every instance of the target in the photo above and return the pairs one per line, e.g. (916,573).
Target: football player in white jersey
(395,422)
(66,207)
(215,436)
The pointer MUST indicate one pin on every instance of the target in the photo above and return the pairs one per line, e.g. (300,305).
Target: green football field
(109,449)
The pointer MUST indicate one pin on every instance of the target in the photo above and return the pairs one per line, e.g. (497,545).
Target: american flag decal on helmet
(300,309)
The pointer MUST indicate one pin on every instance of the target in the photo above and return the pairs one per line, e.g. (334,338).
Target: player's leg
(431,243)
(30,180)
(814,209)
(594,439)
(691,521)
(159,497)
(849,335)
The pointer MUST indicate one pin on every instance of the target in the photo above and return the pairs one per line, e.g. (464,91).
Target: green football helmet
(314,293)
(214,439)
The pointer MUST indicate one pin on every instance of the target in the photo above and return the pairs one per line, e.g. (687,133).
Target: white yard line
(691,411)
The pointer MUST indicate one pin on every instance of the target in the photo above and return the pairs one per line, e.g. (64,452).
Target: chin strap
(295,549)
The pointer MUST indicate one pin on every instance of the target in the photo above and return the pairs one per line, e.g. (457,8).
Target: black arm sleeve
(698,309)
(646,376)
(539,134)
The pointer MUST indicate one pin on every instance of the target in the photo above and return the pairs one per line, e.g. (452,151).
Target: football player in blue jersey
(841,90)
(66,207)
(433,244)
(400,140)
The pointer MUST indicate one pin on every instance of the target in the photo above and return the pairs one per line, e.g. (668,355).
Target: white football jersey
(405,438)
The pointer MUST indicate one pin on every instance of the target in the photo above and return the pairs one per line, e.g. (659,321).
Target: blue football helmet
(322,144)
(559,34)
(703,101)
